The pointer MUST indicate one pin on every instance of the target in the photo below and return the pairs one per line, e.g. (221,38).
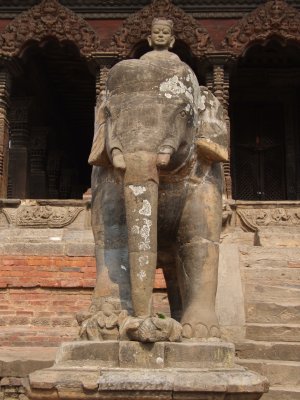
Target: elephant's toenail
(215,331)
(187,331)
(201,331)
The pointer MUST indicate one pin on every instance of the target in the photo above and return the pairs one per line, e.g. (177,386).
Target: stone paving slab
(124,383)
(19,362)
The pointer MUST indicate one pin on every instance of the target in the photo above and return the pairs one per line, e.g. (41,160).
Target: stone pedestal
(122,370)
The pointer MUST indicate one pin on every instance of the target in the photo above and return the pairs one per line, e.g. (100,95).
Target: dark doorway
(51,123)
(265,123)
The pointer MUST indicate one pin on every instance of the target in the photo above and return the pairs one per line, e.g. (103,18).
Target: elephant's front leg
(141,215)
(198,253)
(112,294)
(110,234)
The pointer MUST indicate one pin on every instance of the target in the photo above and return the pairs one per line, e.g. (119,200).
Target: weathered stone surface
(150,329)
(289,351)
(273,332)
(21,362)
(233,333)
(258,292)
(106,353)
(286,277)
(278,239)
(80,249)
(51,379)
(256,256)
(146,383)
(283,393)
(130,354)
(191,355)
(230,309)
(219,381)
(238,237)
(141,355)
(264,312)
(145,371)
(45,249)
(277,372)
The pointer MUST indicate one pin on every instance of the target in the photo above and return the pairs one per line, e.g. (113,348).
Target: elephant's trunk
(141,198)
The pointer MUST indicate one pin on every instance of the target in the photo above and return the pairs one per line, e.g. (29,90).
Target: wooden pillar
(19,149)
(4,131)
(103,63)
(38,149)
(217,80)
(101,82)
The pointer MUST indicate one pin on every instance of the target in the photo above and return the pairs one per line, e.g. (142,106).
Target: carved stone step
(278,238)
(277,372)
(273,257)
(282,393)
(273,276)
(273,312)
(250,349)
(272,293)
(273,332)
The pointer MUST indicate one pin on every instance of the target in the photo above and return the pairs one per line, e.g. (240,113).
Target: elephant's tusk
(211,151)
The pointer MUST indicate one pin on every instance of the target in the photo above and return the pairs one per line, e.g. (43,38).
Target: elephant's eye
(107,113)
(183,114)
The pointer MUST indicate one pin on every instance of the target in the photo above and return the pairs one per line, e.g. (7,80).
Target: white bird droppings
(146,208)
(137,190)
(143,260)
(142,275)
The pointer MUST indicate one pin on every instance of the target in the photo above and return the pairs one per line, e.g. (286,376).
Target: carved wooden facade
(137,26)
(49,19)
(273,19)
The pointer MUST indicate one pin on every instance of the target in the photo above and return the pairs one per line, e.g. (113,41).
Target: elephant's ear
(212,134)
(98,155)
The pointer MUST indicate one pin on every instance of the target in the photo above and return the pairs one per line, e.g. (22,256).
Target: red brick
(89,282)
(293,264)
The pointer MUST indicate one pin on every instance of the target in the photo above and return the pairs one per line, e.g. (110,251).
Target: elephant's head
(150,108)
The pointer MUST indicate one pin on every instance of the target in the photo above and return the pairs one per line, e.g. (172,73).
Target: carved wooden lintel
(137,27)
(48,19)
(273,19)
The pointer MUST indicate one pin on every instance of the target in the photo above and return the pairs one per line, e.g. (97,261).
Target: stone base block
(120,370)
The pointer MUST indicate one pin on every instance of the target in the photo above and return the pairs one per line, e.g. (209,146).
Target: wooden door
(258,151)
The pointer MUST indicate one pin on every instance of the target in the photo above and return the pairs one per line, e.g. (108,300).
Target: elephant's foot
(150,329)
(199,324)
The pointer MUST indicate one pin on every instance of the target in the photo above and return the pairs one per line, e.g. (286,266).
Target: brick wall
(50,272)
(40,296)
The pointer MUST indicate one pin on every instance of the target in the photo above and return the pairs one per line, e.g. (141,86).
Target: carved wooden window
(259,151)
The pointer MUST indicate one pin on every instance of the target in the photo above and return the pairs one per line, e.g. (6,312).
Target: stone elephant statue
(156,195)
